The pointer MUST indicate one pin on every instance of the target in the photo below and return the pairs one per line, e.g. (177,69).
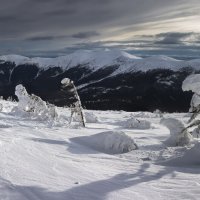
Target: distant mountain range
(112,80)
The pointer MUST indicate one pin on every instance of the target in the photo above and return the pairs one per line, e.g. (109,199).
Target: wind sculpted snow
(39,162)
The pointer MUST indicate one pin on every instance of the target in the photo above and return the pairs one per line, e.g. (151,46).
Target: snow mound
(192,83)
(178,136)
(111,142)
(136,124)
(147,115)
(91,117)
(191,157)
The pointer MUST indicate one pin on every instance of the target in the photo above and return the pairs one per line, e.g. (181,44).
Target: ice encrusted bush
(111,142)
(1,107)
(91,117)
(33,106)
(136,124)
(192,83)
(179,136)
(196,133)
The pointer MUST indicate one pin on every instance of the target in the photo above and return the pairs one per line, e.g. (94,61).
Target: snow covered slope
(95,59)
(44,162)
(99,59)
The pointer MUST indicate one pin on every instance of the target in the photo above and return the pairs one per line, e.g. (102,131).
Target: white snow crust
(39,162)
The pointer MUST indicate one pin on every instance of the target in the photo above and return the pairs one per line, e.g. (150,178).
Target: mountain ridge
(99,59)
(110,80)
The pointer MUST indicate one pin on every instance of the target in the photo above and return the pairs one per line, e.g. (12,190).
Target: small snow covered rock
(145,115)
(178,136)
(136,124)
(111,142)
(91,117)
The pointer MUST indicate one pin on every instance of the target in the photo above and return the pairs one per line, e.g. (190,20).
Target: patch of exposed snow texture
(178,137)
(111,142)
(191,157)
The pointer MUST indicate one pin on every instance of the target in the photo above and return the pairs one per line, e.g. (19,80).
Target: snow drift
(134,123)
(191,157)
(111,142)
(178,135)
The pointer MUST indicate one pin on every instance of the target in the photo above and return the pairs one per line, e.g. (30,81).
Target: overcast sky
(58,27)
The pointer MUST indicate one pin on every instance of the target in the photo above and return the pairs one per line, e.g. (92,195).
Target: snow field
(39,162)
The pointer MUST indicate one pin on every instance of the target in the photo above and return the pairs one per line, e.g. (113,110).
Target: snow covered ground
(44,161)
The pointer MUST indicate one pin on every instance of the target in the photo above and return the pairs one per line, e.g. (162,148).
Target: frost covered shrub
(33,105)
(76,107)
(91,117)
(196,133)
(192,83)
(136,124)
(179,136)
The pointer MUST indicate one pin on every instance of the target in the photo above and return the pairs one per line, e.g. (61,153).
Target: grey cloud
(85,35)
(43,38)
(24,22)
(172,37)
(69,16)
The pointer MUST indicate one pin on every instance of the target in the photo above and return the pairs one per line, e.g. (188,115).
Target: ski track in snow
(39,162)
